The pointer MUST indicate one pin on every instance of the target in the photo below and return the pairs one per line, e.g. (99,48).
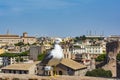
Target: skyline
(60,17)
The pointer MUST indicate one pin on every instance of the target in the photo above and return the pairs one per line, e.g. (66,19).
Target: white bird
(55,56)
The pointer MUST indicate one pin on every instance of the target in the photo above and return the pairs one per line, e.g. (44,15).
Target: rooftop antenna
(87,32)
(95,32)
(8,32)
(90,33)
(102,33)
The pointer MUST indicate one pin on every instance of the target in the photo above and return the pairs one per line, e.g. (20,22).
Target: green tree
(76,39)
(99,73)
(21,60)
(118,57)
(9,55)
(27,44)
(26,53)
(17,59)
(109,73)
(41,56)
(19,44)
(83,37)
(14,54)
(101,58)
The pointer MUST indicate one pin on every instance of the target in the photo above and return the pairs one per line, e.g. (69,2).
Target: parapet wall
(34,77)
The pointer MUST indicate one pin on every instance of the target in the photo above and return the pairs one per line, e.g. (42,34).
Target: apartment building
(93,45)
(66,52)
(88,49)
(113,38)
(7,39)
(5,61)
(28,39)
(94,49)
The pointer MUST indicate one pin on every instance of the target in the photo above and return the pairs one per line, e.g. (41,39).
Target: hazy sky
(60,17)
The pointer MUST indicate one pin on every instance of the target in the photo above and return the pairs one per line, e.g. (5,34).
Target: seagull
(54,57)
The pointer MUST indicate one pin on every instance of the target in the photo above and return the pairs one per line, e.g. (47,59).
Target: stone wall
(34,77)
(112,49)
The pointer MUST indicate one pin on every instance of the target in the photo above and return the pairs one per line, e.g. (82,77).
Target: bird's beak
(61,42)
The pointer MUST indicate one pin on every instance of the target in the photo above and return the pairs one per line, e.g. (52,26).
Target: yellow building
(2,51)
(7,39)
(28,39)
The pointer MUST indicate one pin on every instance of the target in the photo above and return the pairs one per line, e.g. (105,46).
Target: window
(3,71)
(14,71)
(20,72)
(25,72)
(35,71)
(69,71)
(9,71)
(60,73)
(95,50)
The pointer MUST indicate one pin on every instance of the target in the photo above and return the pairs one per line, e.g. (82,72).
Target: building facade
(21,68)
(28,39)
(67,67)
(8,39)
(34,52)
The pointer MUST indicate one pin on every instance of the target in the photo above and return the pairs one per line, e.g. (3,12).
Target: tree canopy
(81,38)
(118,57)
(19,44)
(41,56)
(101,58)
(99,73)
(24,53)
(9,55)
(14,54)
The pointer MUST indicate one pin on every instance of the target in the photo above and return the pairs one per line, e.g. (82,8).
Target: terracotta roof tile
(20,66)
(9,35)
(72,64)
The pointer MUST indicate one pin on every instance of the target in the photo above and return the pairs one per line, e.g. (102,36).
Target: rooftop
(27,37)
(9,35)
(20,66)
(72,64)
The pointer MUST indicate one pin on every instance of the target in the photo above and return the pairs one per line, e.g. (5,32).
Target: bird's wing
(46,59)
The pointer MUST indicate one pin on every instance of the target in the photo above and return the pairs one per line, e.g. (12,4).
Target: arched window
(60,73)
